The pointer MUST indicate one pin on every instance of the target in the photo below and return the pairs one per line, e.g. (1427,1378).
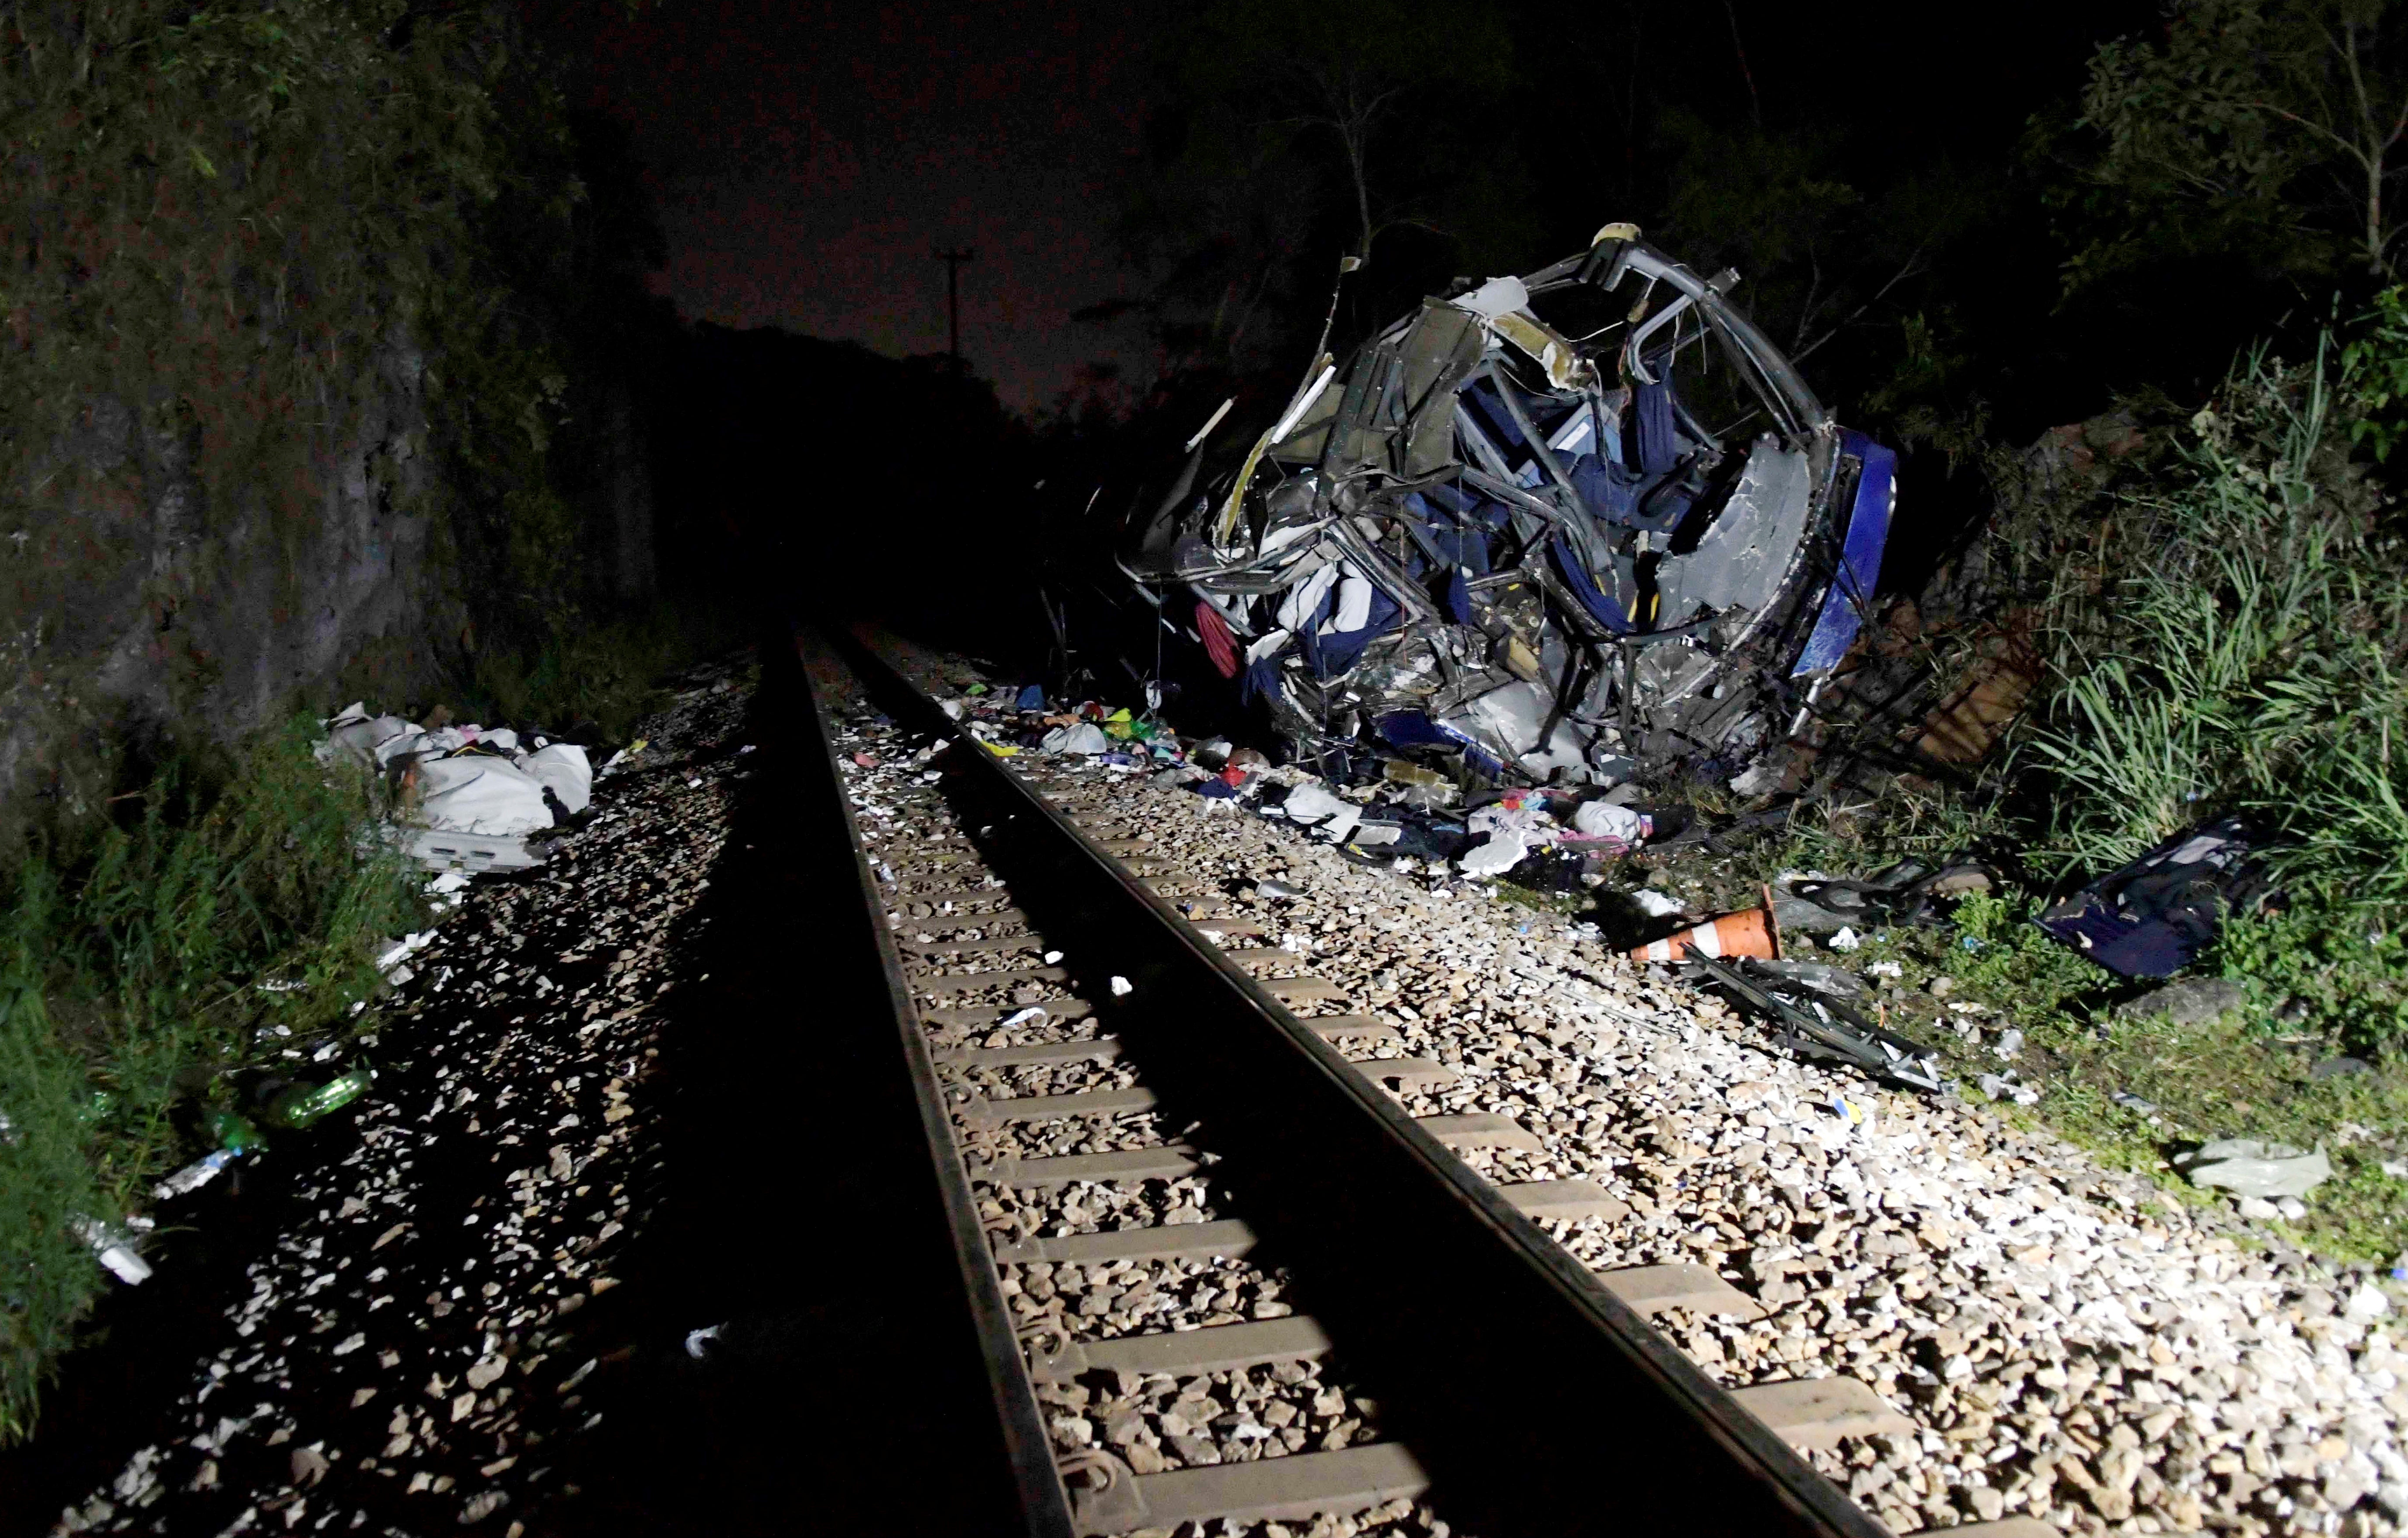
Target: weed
(128,984)
(2000,953)
(2182,1084)
(1928,823)
(2316,971)
(1560,903)
(2248,658)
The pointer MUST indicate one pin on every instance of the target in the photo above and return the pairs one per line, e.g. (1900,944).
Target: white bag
(479,793)
(563,766)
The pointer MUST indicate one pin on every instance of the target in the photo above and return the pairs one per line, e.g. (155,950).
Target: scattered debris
(1908,892)
(192,1176)
(114,1247)
(463,798)
(2248,1167)
(522,1058)
(2005,1087)
(304,1104)
(1818,1026)
(1837,981)
(2150,918)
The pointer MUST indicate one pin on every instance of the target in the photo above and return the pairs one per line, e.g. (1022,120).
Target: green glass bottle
(235,1132)
(304,1103)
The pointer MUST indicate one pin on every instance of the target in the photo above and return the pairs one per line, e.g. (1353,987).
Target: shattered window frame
(1482,543)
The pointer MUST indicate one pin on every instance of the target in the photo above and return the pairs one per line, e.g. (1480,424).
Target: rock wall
(144,612)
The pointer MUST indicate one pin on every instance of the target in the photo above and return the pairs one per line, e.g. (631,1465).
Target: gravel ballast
(420,1342)
(409,1356)
(2069,1344)
(1152,1423)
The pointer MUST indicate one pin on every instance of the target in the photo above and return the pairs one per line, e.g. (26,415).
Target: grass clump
(2246,657)
(129,974)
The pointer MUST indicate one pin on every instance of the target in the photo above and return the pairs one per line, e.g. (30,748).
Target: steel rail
(1044,1507)
(1538,1400)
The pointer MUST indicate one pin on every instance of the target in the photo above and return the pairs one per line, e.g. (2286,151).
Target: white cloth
(1086,737)
(1501,853)
(1352,609)
(358,740)
(1305,597)
(1604,819)
(562,766)
(479,793)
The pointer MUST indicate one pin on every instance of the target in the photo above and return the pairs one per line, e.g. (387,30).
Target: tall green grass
(129,974)
(2240,645)
(2246,657)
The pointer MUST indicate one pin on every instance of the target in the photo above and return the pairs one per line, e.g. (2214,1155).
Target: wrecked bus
(1578,527)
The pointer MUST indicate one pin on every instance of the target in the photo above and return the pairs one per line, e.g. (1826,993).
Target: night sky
(806,157)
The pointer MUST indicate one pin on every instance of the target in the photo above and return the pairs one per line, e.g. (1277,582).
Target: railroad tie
(1652,1289)
(943,983)
(1251,956)
(1815,1412)
(1220,930)
(995,1015)
(1101,1049)
(1299,990)
(1162,1241)
(960,894)
(1408,1072)
(1554,1201)
(1087,1102)
(2011,1527)
(971,947)
(1352,1029)
(987,919)
(1220,1348)
(1480,1130)
(1175,881)
(1167,1162)
(1295,1488)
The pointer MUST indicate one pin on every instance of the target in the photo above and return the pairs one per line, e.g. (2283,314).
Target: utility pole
(954,260)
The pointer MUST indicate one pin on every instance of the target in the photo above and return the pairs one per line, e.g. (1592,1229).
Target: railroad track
(1101,1049)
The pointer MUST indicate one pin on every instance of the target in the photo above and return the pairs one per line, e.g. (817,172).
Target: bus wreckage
(1574,527)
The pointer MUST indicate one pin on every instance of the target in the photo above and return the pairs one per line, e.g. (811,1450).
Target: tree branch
(1914,264)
